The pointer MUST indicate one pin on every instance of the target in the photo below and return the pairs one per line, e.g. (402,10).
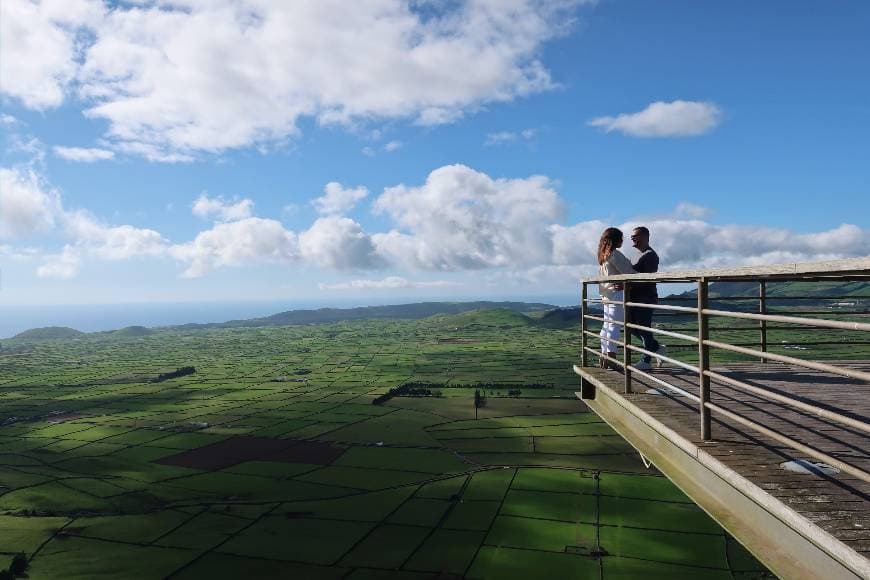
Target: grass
(422,489)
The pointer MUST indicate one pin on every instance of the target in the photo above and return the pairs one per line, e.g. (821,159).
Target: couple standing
(612,262)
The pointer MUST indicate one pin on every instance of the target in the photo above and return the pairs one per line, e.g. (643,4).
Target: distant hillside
(560,318)
(399,311)
(133,331)
(491,317)
(49,332)
(773,290)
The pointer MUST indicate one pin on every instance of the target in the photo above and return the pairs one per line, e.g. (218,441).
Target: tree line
(179,372)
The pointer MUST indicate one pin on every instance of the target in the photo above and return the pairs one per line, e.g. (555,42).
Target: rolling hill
(398,311)
(133,331)
(49,333)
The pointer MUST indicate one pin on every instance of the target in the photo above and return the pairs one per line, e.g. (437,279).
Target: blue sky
(174,151)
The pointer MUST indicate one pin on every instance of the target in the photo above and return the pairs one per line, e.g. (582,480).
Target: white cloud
(338,199)
(216,207)
(82,154)
(693,243)
(661,119)
(25,253)
(431,116)
(40,44)
(244,242)
(62,266)
(500,138)
(732,244)
(27,204)
(506,137)
(388,283)
(338,243)
(687,209)
(112,242)
(155,153)
(393,146)
(8,120)
(29,147)
(463,219)
(576,244)
(459,219)
(177,77)
(389,147)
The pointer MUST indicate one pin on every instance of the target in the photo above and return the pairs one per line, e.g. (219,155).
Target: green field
(94,481)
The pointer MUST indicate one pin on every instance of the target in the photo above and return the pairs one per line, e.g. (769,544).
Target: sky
(250,150)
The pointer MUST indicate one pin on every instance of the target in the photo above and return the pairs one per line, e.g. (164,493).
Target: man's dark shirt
(647,263)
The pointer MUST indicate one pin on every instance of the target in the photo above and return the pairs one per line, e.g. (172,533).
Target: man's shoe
(643,366)
(663,350)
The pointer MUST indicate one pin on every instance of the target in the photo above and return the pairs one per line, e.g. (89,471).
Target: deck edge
(781,538)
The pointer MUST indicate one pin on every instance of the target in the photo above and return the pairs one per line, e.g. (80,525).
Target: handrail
(859,267)
(852,374)
(784,319)
(792,402)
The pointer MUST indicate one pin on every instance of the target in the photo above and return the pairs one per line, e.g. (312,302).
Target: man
(645,292)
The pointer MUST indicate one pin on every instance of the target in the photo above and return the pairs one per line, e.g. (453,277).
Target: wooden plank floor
(839,504)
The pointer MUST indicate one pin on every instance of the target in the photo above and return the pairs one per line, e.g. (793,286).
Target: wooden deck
(793,512)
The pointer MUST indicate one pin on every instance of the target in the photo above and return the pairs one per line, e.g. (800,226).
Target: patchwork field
(271,460)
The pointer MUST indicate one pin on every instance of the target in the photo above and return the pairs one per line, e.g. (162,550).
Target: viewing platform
(734,404)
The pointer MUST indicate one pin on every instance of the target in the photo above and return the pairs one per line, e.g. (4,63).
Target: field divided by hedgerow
(272,460)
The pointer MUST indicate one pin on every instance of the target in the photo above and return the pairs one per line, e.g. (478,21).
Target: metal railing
(768,309)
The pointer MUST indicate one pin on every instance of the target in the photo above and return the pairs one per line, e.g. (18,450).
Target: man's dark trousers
(643,317)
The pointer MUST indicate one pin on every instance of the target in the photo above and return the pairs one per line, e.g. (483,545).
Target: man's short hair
(642,229)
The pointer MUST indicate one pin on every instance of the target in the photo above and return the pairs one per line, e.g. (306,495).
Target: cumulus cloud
(661,119)
(27,204)
(338,243)
(216,207)
(698,243)
(82,154)
(692,243)
(464,219)
(177,77)
(62,266)
(338,199)
(41,48)
(458,219)
(388,283)
(112,242)
(245,242)
(576,244)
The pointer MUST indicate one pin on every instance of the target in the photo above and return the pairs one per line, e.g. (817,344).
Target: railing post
(584,357)
(703,359)
(626,338)
(587,389)
(762,309)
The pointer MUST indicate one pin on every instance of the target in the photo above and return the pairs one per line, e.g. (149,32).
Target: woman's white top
(616,264)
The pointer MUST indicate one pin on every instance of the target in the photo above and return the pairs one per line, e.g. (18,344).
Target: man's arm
(648,263)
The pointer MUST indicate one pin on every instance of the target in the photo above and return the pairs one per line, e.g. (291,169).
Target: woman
(611,262)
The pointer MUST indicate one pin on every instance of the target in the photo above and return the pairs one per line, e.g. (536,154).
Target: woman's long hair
(610,240)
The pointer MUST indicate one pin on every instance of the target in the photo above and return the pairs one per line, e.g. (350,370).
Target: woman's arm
(619,264)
